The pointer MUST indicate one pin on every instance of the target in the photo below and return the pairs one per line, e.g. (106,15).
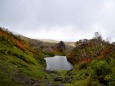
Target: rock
(58,79)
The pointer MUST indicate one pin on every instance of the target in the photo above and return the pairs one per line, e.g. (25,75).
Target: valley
(22,61)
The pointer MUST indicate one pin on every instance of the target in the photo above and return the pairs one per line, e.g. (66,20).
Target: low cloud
(68,20)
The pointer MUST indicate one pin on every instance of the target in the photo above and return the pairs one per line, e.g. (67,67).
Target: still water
(58,63)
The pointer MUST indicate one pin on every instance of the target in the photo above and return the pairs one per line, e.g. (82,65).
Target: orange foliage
(87,60)
(16,42)
(105,52)
(20,45)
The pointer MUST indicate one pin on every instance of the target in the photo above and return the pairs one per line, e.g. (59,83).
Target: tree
(61,46)
(98,36)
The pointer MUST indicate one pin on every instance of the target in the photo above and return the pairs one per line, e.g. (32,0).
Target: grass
(16,64)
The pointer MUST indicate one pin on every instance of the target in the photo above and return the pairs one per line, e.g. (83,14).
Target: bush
(100,68)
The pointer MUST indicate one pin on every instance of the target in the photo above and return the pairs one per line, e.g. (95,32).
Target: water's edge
(58,63)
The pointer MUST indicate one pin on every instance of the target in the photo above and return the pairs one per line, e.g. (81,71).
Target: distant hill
(46,41)
(54,41)
(49,40)
(49,46)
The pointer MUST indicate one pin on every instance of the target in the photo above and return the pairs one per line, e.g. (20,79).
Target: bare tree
(98,36)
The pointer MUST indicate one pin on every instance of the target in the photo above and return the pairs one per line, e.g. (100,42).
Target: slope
(19,64)
(94,64)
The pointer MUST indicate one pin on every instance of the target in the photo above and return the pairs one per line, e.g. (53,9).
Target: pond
(58,63)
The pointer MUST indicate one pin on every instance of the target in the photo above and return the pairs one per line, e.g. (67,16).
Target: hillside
(22,64)
(87,50)
(19,63)
(94,63)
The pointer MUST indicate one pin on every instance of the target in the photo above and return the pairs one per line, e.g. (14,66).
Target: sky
(67,20)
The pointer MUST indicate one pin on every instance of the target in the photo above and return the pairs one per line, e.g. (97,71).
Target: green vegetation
(18,65)
(94,62)
(95,73)
(22,65)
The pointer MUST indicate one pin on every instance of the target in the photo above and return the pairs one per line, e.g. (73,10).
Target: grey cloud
(37,16)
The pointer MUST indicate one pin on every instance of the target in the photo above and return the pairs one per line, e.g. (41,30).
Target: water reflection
(58,63)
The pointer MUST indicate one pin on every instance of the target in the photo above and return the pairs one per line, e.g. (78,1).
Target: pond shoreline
(58,63)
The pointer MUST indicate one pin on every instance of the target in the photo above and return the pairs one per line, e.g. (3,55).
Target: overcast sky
(68,20)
